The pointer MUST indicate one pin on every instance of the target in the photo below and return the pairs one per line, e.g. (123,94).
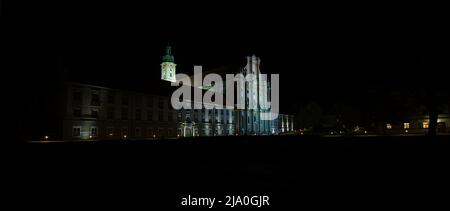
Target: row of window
(406,125)
(111,99)
(124,114)
(110,131)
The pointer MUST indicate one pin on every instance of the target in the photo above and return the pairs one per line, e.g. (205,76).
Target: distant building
(418,125)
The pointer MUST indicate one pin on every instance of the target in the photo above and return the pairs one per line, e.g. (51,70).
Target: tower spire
(168,66)
(168,57)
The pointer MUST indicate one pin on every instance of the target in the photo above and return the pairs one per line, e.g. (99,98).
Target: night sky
(324,53)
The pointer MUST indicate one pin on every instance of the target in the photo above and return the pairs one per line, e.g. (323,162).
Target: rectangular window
(111,99)
(170,117)
(77,112)
(110,131)
(161,103)
(406,125)
(138,114)
(137,132)
(95,99)
(188,114)
(94,113)
(125,100)
(179,114)
(425,125)
(76,131)
(124,114)
(110,114)
(150,102)
(138,101)
(149,115)
(76,96)
(93,132)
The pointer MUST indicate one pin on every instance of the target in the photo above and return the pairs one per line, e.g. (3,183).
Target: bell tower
(168,66)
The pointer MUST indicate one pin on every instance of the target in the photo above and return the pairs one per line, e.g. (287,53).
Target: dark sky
(321,51)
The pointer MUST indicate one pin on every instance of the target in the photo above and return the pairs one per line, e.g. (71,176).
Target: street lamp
(46,138)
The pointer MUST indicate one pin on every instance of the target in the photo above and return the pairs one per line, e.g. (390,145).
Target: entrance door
(188,132)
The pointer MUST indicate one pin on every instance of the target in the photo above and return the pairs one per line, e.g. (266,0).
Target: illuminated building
(96,112)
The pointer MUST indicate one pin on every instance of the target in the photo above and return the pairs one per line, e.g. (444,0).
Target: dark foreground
(305,172)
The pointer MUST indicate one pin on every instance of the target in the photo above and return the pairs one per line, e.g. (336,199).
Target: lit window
(425,125)
(388,126)
(406,125)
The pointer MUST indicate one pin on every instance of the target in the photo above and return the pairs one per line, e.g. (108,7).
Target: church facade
(229,120)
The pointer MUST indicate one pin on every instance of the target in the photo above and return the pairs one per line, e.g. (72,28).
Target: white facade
(234,121)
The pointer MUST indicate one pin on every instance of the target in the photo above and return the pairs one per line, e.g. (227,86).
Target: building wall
(94,112)
(104,113)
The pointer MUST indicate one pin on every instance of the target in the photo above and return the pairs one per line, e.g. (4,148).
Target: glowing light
(125,136)
(406,125)
(365,132)
(90,137)
(425,125)
(406,131)
(110,134)
(332,133)
(388,126)
(46,138)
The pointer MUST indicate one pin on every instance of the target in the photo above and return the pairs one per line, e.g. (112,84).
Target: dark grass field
(345,172)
